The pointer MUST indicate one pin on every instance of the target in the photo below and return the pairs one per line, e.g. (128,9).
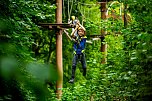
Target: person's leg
(83,62)
(74,62)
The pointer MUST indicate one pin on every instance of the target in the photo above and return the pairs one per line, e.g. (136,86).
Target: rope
(82,12)
(63,10)
(80,9)
(87,4)
(69,9)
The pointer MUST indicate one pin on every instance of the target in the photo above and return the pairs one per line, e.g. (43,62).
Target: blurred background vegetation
(27,52)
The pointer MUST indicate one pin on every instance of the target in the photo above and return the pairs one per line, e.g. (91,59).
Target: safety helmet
(80,28)
(73,17)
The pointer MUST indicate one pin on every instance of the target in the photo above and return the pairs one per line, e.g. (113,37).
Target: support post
(103,31)
(59,50)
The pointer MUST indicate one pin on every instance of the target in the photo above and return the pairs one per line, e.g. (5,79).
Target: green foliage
(20,79)
(22,43)
(126,76)
(26,47)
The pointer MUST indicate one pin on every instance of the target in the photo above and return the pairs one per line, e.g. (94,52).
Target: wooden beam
(56,25)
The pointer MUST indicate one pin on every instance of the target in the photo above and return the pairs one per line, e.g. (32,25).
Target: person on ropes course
(79,46)
(74,22)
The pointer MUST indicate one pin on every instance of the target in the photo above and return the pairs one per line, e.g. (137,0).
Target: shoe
(72,80)
(84,72)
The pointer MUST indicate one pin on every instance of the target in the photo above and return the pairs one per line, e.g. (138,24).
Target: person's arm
(72,34)
(67,34)
(81,26)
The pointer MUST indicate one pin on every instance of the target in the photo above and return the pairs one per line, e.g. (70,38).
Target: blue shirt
(80,45)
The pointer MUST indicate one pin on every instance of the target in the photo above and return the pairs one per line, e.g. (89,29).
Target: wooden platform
(56,25)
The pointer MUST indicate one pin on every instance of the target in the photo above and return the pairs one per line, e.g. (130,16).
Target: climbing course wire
(79,7)
(70,8)
(83,12)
